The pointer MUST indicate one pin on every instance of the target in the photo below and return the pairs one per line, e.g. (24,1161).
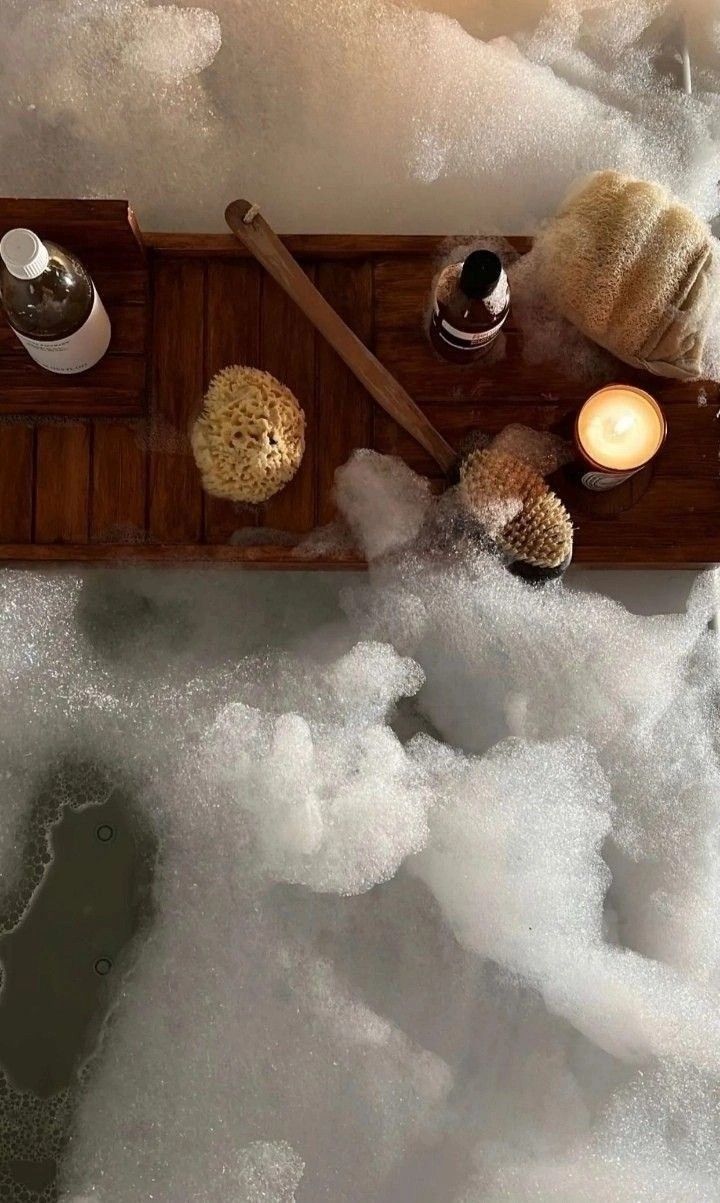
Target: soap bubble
(435,904)
(441,115)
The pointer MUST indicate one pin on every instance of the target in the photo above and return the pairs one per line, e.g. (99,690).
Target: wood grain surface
(94,480)
(231,288)
(345,411)
(175,495)
(299,286)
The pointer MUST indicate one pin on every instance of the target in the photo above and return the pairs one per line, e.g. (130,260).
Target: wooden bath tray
(95,476)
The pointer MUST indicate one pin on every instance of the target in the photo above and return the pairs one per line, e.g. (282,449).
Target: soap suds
(442,116)
(436,905)
(437,899)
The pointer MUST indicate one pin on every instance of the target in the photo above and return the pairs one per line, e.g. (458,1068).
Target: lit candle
(618,431)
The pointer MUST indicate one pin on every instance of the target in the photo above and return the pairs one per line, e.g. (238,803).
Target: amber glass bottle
(470,305)
(51,303)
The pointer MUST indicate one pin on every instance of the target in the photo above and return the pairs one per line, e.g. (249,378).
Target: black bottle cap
(480,273)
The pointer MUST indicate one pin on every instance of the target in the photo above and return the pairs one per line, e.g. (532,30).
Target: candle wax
(620,427)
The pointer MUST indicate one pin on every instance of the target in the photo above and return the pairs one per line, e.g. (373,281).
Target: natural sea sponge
(635,271)
(249,438)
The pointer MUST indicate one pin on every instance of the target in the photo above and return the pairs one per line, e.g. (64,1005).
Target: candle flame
(623,424)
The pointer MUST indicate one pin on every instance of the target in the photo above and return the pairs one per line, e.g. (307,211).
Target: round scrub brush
(517,511)
(249,438)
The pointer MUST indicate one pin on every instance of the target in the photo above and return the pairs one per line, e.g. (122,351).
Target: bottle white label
(599,482)
(80,350)
(470,340)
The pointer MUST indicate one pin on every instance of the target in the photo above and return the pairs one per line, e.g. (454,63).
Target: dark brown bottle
(51,303)
(471,303)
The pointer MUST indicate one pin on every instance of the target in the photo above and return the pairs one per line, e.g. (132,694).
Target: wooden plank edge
(261,556)
(102,215)
(55,407)
(105,209)
(321,246)
(273,557)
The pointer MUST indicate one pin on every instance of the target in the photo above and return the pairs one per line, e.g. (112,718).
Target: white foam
(172,42)
(436,904)
(433,116)
(656,1141)
(337,805)
(383,501)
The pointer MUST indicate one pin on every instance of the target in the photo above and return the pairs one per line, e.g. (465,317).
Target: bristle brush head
(525,520)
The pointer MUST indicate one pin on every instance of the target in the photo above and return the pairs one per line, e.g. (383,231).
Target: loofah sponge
(249,439)
(635,271)
(527,522)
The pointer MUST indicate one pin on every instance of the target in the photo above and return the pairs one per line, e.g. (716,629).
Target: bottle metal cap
(24,254)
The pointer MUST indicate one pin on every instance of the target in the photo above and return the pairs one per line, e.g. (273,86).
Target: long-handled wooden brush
(537,540)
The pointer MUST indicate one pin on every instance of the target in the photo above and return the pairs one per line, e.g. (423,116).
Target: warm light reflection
(620,427)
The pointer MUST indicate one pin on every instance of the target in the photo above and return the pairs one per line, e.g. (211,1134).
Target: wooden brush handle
(251,228)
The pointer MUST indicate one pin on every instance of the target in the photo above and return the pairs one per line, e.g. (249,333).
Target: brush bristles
(526,520)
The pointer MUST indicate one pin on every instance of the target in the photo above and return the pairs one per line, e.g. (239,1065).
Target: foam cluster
(441,115)
(435,904)
(336,805)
